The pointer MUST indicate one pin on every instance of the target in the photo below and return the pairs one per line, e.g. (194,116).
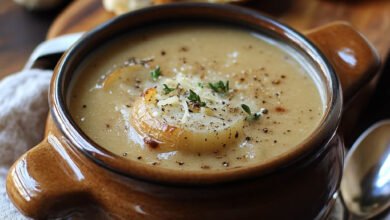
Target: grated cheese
(168,101)
(186,112)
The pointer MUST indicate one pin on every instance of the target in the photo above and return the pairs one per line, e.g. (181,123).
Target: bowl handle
(45,181)
(353,58)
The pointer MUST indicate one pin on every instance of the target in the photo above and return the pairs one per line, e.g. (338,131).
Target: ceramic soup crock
(68,174)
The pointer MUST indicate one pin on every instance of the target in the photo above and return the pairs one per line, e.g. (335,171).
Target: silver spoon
(365,186)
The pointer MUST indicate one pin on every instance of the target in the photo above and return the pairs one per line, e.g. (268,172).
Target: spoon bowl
(365,186)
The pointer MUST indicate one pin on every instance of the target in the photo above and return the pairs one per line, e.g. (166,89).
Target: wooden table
(20,32)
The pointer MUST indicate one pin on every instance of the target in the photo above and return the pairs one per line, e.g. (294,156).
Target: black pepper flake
(155,163)
(180,163)
(275,141)
(108,125)
(280,109)
(223,145)
(206,167)
(128,106)
(283,76)
(276,82)
(184,49)
(225,164)
(163,53)
(236,135)
(139,158)
(265,130)
(84,106)
(248,138)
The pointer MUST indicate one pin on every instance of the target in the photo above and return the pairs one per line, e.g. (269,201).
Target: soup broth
(196,97)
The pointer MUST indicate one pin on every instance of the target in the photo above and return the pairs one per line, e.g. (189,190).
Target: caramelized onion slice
(115,75)
(159,133)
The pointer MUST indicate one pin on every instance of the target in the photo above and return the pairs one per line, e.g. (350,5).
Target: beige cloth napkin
(23,112)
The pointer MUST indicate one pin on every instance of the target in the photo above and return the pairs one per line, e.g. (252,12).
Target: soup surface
(198,97)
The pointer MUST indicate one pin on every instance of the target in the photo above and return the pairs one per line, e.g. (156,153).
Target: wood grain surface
(371,17)
(20,32)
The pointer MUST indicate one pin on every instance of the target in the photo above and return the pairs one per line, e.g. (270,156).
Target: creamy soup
(196,97)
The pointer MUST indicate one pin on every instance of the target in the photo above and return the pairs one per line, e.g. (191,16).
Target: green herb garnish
(200,85)
(167,90)
(250,117)
(193,97)
(155,73)
(220,87)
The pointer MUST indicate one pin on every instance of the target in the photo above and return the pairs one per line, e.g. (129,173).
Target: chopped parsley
(194,98)
(200,85)
(155,73)
(250,117)
(167,90)
(220,87)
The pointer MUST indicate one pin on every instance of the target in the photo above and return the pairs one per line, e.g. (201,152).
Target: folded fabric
(23,112)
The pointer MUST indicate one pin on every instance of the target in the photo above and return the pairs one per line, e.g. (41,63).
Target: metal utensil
(365,187)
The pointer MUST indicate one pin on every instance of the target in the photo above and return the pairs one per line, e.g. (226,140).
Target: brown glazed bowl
(68,174)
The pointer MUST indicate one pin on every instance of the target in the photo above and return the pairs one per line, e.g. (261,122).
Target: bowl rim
(311,147)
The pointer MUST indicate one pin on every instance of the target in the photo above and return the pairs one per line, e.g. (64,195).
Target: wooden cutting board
(371,17)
